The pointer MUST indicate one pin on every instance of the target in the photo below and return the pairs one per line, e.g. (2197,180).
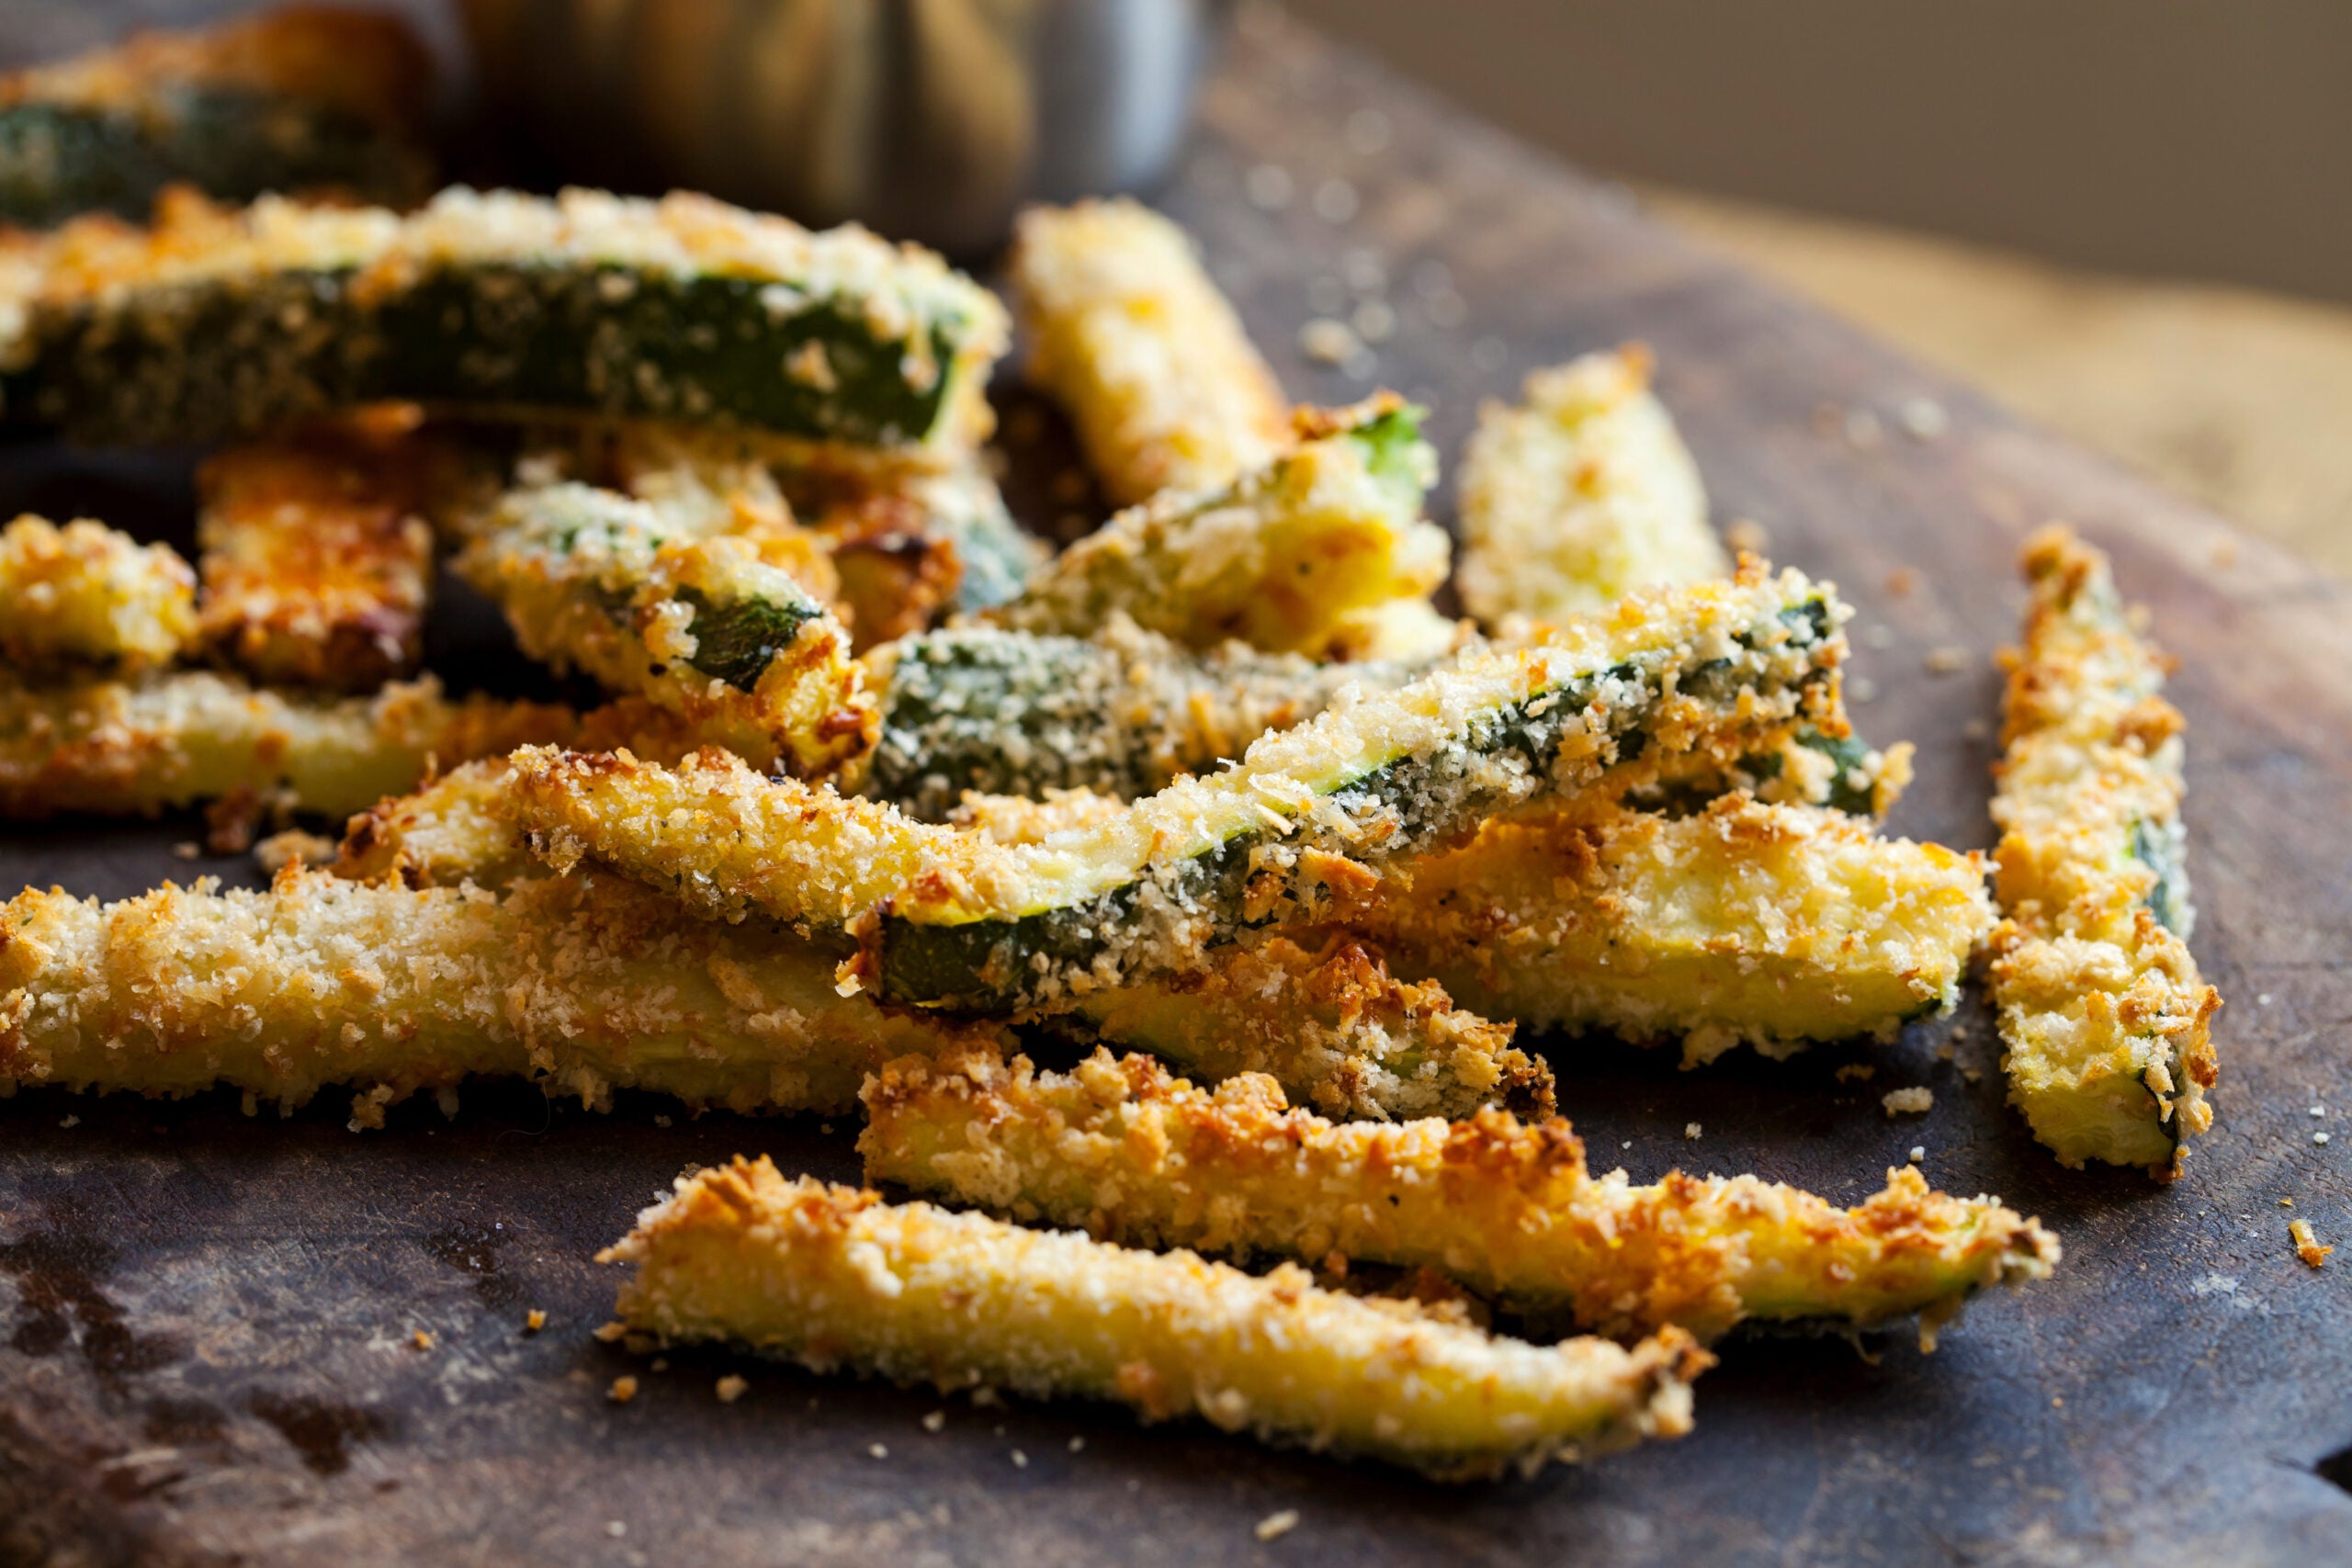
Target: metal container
(925,119)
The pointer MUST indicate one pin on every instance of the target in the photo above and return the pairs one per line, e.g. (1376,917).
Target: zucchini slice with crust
(685,309)
(90,598)
(832,1278)
(2108,1022)
(1130,1154)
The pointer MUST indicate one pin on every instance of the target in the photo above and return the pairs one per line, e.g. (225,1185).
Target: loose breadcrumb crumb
(612,1331)
(1902,1101)
(877,1450)
(935,1422)
(1691,1128)
(1274,1526)
(421,1340)
(534,1321)
(624,1388)
(1855,1072)
(2307,1246)
(732,1388)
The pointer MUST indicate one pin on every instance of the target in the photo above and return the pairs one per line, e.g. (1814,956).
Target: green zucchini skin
(59,161)
(1014,713)
(1404,805)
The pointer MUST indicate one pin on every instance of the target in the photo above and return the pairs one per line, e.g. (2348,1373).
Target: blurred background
(2128,219)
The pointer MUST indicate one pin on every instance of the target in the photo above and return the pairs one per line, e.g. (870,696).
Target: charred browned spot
(321,1431)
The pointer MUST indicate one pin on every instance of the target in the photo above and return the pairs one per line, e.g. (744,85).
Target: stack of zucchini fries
(1214,803)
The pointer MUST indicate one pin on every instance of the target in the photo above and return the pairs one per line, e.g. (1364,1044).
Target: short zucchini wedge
(1716,670)
(309,98)
(1149,360)
(316,565)
(833,1277)
(1124,713)
(1290,557)
(84,598)
(1129,1153)
(1580,495)
(703,627)
(217,324)
(586,984)
(2107,1020)
(1740,923)
(141,746)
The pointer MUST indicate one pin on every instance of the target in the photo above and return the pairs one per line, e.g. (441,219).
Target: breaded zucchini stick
(138,746)
(702,627)
(833,1277)
(2107,1020)
(316,565)
(1580,495)
(87,597)
(1143,352)
(587,983)
(1289,558)
(505,306)
(1133,1155)
(1123,712)
(301,98)
(1769,925)
(1715,670)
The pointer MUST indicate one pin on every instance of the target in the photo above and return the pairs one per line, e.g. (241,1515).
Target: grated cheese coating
(1132,1153)
(1580,495)
(142,746)
(1130,336)
(85,595)
(2106,1018)
(586,984)
(831,1277)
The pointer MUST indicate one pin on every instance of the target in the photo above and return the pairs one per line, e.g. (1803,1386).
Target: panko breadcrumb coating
(1133,1154)
(834,1278)
(1130,336)
(1580,495)
(2108,1022)
(88,597)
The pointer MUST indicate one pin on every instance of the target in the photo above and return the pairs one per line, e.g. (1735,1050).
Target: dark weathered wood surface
(207,1321)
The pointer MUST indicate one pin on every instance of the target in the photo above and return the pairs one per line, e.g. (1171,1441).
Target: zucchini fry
(1124,713)
(2106,1019)
(1288,557)
(224,323)
(1714,670)
(316,564)
(831,1277)
(1134,342)
(139,747)
(86,596)
(304,98)
(1133,1155)
(702,627)
(1580,495)
(587,983)
(1768,925)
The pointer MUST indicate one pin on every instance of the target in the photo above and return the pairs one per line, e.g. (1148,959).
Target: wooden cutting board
(207,1321)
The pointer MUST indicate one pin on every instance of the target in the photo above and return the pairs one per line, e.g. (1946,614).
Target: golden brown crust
(87,597)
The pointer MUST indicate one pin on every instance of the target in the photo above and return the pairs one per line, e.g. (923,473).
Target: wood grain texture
(207,1321)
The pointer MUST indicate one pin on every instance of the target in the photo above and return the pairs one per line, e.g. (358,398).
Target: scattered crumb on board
(1274,1526)
(2307,1246)
(624,1388)
(731,1388)
(1916,1100)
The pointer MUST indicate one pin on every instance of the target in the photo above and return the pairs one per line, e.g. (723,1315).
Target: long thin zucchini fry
(304,98)
(685,309)
(1769,925)
(1288,557)
(138,746)
(1133,1155)
(2106,1019)
(703,627)
(831,1277)
(87,596)
(1580,496)
(316,564)
(1714,670)
(1149,360)
(1124,713)
(1329,1022)
(587,983)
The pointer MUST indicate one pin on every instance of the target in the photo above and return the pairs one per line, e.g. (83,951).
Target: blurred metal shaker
(925,119)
